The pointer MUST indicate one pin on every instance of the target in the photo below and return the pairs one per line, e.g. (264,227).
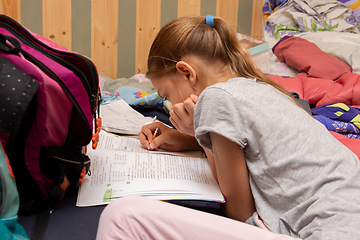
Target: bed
(312,79)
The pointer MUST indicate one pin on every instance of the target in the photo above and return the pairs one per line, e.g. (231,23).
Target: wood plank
(228,9)
(11,8)
(57,21)
(104,36)
(148,13)
(257,19)
(189,8)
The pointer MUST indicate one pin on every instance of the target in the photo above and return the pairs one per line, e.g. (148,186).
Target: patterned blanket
(291,17)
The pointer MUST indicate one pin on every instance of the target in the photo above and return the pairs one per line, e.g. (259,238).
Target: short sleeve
(218,111)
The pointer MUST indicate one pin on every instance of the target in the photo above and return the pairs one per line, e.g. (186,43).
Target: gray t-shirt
(305,182)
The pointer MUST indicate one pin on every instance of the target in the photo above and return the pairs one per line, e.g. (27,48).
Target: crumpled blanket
(137,91)
(323,79)
(344,46)
(296,16)
(339,117)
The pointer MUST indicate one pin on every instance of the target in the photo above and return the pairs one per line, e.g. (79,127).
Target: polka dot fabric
(16,91)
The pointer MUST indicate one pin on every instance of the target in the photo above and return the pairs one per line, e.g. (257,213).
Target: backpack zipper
(51,74)
(92,94)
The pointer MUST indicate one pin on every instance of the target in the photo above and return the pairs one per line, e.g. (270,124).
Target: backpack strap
(41,223)
(14,47)
(39,204)
(58,162)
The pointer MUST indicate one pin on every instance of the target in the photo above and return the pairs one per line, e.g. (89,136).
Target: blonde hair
(190,36)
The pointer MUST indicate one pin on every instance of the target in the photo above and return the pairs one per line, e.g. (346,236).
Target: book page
(110,141)
(127,171)
(116,174)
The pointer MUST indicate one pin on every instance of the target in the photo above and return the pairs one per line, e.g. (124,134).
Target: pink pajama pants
(143,218)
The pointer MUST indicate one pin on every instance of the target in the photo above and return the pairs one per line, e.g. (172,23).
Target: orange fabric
(95,136)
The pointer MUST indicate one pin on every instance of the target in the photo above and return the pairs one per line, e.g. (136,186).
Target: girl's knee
(120,219)
(125,207)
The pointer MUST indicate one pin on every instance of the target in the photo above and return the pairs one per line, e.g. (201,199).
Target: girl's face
(173,88)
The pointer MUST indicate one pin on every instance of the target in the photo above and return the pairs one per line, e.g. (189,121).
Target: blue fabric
(271,5)
(10,229)
(135,97)
(337,111)
(352,135)
(339,117)
(337,126)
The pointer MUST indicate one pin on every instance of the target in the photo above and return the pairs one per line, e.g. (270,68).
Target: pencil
(154,135)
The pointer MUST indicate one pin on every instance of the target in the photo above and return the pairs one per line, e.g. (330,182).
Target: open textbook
(120,166)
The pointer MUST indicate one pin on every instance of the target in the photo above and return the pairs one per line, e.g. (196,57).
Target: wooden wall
(117,34)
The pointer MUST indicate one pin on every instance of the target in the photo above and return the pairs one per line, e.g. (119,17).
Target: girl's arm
(233,177)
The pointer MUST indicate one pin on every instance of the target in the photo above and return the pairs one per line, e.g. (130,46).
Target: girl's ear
(186,71)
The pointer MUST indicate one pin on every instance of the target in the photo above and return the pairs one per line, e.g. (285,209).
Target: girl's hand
(182,115)
(166,138)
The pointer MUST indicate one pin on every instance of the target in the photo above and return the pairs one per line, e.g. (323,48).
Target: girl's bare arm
(233,177)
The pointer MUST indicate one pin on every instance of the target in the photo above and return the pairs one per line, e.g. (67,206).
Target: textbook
(120,167)
(252,45)
(258,49)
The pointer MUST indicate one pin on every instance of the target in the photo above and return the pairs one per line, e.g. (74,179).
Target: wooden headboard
(117,34)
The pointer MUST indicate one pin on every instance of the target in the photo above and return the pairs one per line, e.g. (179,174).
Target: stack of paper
(120,117)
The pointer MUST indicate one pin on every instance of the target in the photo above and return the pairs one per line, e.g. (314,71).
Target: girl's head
(179,42)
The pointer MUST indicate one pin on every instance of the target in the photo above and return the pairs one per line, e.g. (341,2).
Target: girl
(277,167)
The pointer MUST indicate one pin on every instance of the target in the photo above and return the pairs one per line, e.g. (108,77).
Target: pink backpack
(48,102)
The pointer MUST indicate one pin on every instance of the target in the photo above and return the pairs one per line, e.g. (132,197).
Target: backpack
(49,100)
(10,229)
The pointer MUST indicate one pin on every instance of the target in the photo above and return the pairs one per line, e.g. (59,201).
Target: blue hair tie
(210,20)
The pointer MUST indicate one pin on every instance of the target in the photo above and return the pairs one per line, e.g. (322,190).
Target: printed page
(116,173)
(109,141)
(121,118)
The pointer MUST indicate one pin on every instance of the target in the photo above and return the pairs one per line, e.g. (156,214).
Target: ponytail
(211,41)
